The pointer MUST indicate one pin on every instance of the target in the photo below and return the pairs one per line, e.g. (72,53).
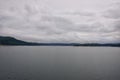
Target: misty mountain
(13,41)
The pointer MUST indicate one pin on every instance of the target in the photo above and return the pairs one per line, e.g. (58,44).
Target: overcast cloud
(61,20)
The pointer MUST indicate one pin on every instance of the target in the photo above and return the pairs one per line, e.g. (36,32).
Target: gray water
(59,63)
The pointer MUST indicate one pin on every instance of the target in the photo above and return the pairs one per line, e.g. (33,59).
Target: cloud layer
(32,21)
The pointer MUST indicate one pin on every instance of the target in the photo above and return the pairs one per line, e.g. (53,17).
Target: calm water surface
(59,63)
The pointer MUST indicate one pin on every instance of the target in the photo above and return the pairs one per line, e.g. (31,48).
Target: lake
(59,63)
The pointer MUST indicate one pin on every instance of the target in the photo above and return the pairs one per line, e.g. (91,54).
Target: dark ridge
(12,41)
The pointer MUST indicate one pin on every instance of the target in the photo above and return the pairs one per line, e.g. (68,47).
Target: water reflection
(59,63)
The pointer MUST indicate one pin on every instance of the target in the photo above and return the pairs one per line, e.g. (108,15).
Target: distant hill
(12,41)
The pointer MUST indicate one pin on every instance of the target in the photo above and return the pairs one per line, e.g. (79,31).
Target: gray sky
(61,20)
